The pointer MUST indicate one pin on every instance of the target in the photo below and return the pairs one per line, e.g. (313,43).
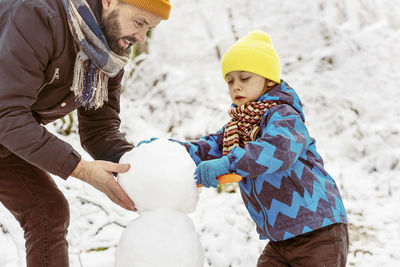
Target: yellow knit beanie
(253,53)
(159,7)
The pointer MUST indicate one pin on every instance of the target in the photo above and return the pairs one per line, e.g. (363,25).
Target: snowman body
(162,185)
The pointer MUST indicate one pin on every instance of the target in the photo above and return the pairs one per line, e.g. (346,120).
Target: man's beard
(112,32)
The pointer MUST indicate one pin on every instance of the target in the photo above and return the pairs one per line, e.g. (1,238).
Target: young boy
(294,202)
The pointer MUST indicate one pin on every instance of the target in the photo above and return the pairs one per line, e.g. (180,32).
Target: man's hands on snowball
(208,171)
(99,174)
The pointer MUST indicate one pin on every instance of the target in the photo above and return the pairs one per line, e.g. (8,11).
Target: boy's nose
(237,87)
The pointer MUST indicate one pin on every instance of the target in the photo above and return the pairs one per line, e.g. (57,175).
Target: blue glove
(208,171)
(147,141)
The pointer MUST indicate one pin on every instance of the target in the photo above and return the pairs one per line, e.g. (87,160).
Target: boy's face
(125,25)
(245,86)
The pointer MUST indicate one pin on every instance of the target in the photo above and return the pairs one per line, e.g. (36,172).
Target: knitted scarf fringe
(99,83)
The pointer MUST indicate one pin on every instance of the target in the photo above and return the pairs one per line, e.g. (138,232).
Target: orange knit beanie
(159,7)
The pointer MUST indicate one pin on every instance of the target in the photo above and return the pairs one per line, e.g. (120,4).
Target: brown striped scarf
(245,123)
(95,62)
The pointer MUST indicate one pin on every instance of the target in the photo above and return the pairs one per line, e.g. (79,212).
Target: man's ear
(106,4)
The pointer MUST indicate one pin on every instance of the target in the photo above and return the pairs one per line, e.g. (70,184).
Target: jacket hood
(283,92)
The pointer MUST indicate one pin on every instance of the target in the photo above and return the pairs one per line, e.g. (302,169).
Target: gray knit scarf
(95,62)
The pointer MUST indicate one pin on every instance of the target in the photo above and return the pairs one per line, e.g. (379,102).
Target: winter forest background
(342,57)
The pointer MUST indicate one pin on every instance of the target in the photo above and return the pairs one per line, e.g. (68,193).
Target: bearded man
(57,56)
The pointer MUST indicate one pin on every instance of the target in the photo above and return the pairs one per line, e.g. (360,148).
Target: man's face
(124,25)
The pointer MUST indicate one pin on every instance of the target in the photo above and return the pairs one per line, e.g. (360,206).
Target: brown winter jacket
(37,57)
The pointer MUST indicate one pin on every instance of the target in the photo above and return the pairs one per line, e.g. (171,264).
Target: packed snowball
(161,176)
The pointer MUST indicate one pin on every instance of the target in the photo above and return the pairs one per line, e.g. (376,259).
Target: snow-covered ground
(341,56)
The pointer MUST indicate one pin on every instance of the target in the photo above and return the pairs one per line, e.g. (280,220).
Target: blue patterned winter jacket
(285,186)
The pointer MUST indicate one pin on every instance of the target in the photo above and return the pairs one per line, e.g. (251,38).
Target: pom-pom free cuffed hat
(253,53)
(161,8)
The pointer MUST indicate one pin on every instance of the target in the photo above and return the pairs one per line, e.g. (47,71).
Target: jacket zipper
(253,189)
(56,75)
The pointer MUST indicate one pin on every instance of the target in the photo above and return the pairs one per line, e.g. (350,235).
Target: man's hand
(99,174)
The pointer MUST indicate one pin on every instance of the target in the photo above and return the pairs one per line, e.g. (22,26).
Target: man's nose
(141,36)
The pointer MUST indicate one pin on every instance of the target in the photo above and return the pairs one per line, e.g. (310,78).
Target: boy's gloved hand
(207,171)
(147,141)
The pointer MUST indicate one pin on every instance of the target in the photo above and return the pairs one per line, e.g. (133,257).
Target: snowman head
(161,176)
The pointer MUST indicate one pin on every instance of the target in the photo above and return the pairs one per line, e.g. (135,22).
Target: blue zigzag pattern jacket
(285,186)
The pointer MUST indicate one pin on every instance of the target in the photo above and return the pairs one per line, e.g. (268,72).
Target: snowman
(162,185)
